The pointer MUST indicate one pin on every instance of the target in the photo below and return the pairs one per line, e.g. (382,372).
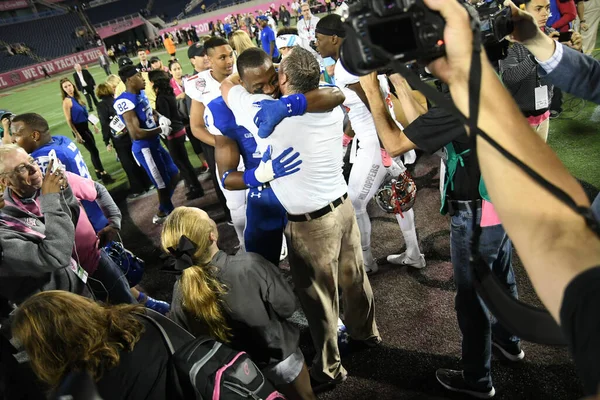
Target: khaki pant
(542,129)
(325,253)
(592,18)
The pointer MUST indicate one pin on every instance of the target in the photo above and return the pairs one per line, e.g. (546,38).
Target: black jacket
(167,106)
(106,113)
(89,79)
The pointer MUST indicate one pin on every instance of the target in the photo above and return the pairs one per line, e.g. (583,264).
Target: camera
(379,31)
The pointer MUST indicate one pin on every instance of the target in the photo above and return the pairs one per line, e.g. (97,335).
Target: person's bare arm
(198,125)
(410,106)
(227,156)
(324,99)
(360,91)
(135,131)
(554,243)
(393,138)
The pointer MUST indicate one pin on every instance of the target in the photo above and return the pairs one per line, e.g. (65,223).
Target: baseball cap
(154,59)
(287,41)
(123,61)
(127,72)
(196,50)
(262,18)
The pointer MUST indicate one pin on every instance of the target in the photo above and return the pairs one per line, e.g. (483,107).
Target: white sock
(407,225)
(364,225)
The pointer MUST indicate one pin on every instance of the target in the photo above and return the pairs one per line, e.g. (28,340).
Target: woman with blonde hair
(242,300)
(120,349)
(76,115)
(240,41)
(116,83)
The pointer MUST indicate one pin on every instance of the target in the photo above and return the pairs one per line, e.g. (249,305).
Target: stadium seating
(48,38)
(8,62)
(170,9)
(114,10)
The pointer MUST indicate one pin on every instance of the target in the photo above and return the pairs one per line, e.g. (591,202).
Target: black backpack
(206,369)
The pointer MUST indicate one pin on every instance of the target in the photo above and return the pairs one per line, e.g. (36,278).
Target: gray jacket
(36,251)
(258,303)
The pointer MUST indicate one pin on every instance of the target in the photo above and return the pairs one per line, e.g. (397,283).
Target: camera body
(378,31)
(495,23)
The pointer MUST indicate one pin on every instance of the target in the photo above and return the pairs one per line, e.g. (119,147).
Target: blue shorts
(157,162)
(265,222)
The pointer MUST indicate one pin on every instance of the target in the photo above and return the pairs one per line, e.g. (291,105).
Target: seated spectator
(106,278)
(36,250)
(250,314)
(123,352)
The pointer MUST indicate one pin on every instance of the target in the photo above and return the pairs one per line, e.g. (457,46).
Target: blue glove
(272,112)
(269,169)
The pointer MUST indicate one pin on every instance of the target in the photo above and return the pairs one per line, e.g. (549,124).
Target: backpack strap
(172,342)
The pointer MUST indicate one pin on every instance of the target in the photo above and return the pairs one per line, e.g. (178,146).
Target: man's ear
(36,136)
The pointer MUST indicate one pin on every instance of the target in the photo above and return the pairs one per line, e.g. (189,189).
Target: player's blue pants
(265,222)
(160,168)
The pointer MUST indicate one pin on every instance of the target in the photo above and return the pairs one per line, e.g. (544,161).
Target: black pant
(90,145)
(107,69)
(209,154)
(137,176)
(90,96)
(179,154)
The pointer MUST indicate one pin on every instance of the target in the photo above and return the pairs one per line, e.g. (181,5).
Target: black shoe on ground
(455,382)
(356,345)
(320,387)
(511,352)
(194,193)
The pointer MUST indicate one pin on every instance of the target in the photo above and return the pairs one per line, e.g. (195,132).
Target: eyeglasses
(24,168)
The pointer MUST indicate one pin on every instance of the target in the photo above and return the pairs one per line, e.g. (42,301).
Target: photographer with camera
(430,131)
(559,249)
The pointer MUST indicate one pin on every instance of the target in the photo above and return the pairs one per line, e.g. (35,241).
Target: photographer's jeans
(476,323)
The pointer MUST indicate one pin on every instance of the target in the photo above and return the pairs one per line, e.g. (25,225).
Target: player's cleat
(159,219)
(402,259)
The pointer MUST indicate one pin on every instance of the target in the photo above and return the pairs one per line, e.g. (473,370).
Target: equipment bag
(210,370)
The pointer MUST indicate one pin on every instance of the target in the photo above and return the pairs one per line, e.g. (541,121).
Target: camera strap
(527,322)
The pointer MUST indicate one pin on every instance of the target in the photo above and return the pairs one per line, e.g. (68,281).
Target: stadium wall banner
(201,23)
(33,72)
(119,27)
(18,4)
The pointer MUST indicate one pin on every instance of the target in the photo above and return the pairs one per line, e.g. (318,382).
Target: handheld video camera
(378,31)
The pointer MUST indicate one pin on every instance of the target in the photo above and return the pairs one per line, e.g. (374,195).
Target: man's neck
(218,77)
(337,54)
(133,91)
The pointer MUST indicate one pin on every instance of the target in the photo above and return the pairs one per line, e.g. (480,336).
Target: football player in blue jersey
(134,109)
(31,132)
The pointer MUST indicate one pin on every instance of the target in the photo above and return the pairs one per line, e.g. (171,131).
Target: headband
(330,32)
